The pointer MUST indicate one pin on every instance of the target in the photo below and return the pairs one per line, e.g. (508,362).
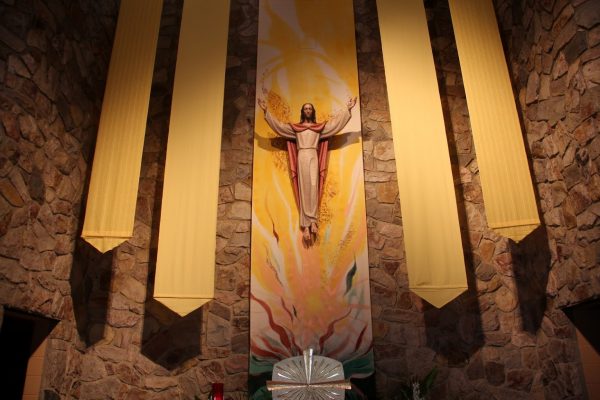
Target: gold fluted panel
(505,178)
(187,239)
(432,239)
(112,195)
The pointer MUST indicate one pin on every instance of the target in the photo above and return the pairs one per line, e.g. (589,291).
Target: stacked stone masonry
(556,71)
(54,57)
(504,338)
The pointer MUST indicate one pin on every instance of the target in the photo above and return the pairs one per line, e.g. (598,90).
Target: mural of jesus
(308,164)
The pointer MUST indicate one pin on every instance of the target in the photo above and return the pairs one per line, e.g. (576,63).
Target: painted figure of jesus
(307,134)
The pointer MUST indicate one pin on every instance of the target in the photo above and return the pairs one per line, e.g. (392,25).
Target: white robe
(308,162)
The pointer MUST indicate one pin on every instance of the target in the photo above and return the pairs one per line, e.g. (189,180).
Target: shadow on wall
(531,261)
(531,266)
(90,289)
(169,339)
(454,331)
(585,318)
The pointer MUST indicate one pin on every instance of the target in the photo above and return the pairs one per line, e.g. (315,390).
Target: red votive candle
(217,391)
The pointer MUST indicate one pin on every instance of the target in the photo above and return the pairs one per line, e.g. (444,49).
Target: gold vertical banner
(432,239)
(185,265)
(112,195)
(505,179)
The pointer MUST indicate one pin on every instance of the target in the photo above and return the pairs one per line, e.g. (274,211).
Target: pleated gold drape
(112,195)
(187,238)
(434,255)
(505,178)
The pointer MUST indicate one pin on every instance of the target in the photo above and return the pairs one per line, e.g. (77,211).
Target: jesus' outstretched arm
(338,121)
(278,127)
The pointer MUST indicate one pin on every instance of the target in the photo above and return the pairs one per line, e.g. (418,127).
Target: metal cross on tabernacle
(308,377)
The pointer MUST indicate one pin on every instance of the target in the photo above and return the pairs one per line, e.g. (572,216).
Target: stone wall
(119,342)
(505,337)
(53,62)
(554,52)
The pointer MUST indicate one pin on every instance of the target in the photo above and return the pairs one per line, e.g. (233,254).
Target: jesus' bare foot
(314,228)
(306,234)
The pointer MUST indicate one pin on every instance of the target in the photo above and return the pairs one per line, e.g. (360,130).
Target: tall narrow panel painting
(309,273)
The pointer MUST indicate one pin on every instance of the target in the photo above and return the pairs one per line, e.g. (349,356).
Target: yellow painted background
(307,53)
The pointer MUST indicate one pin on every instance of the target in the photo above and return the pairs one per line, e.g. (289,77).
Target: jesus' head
(308,113)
